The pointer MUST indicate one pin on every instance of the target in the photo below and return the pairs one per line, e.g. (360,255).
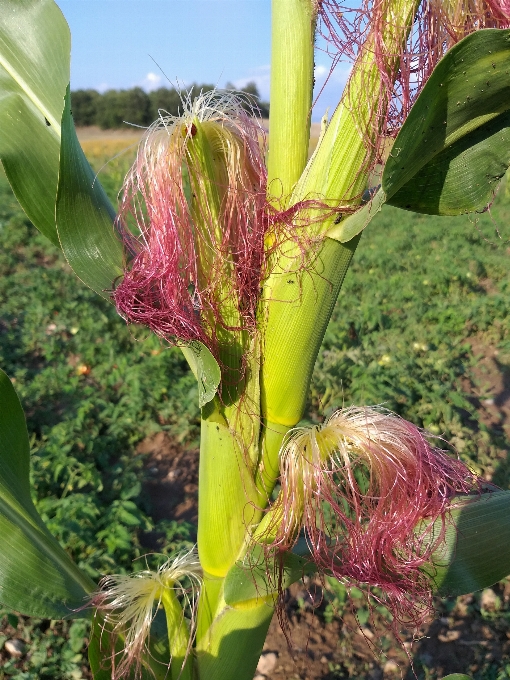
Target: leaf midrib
(54,124)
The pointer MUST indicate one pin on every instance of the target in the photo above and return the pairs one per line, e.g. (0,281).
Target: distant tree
(85,104)
(136,106)
(117,107)
(109,113)
(254,100)
(165,100)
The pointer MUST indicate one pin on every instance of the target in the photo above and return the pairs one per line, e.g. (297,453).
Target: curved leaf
(37,578)
(104,644)
(477,547)
(474,555)
(85,216)
(454,147)
(34,72)
(205,369)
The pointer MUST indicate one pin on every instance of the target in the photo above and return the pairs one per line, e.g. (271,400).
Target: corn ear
(232,646)
(299,303)
(338,170)
(178,636)
(227,494)
(299,308)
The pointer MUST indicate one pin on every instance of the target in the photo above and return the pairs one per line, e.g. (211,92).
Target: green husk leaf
(85,216)
(30,556)
(356,222)
(224,494)
(232,645)
(35,46)
(257,578)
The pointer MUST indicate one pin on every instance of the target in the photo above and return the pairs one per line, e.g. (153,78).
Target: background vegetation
(424,305)
(116,108)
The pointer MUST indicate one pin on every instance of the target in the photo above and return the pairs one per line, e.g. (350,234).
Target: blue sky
(114,43)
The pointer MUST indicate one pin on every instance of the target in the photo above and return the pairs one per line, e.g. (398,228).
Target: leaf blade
(476,553)
(85,216)
(454,122)
(35,49)
(29,553)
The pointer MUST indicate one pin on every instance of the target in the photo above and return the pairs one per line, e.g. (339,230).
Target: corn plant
(234,246)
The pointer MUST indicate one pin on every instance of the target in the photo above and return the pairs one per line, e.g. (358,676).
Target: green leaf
(257,577)
(37,578)
(457,676)
(34,72)
(477,547)
(103,642)
(454,147)
(85,216)
(355,223)
(205,369)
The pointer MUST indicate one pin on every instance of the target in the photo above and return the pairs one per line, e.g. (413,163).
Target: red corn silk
(196,266)
(367,487)
(403,65)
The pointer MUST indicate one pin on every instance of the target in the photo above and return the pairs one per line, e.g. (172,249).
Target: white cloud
(102,87)
(321,71)
(259,76)
(151,81)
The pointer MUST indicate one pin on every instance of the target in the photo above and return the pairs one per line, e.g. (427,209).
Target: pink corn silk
(352,32)
(373,535)
(165,286)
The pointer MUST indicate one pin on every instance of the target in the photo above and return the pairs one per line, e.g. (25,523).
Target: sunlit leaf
(37,578)
(85,216)
(454,147)
(34,73)
(477,550)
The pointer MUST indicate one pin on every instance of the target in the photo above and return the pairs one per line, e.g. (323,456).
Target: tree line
(115,108)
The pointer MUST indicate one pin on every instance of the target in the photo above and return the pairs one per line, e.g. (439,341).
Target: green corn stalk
(243,427)
(299,300)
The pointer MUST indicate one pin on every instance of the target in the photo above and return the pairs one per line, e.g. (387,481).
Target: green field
(422,326)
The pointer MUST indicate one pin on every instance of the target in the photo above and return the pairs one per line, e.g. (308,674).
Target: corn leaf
(475,554)
(104,643)
(34,73)
(477,547)
(454,147)
(37,578)
(205,369)
(85,216)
